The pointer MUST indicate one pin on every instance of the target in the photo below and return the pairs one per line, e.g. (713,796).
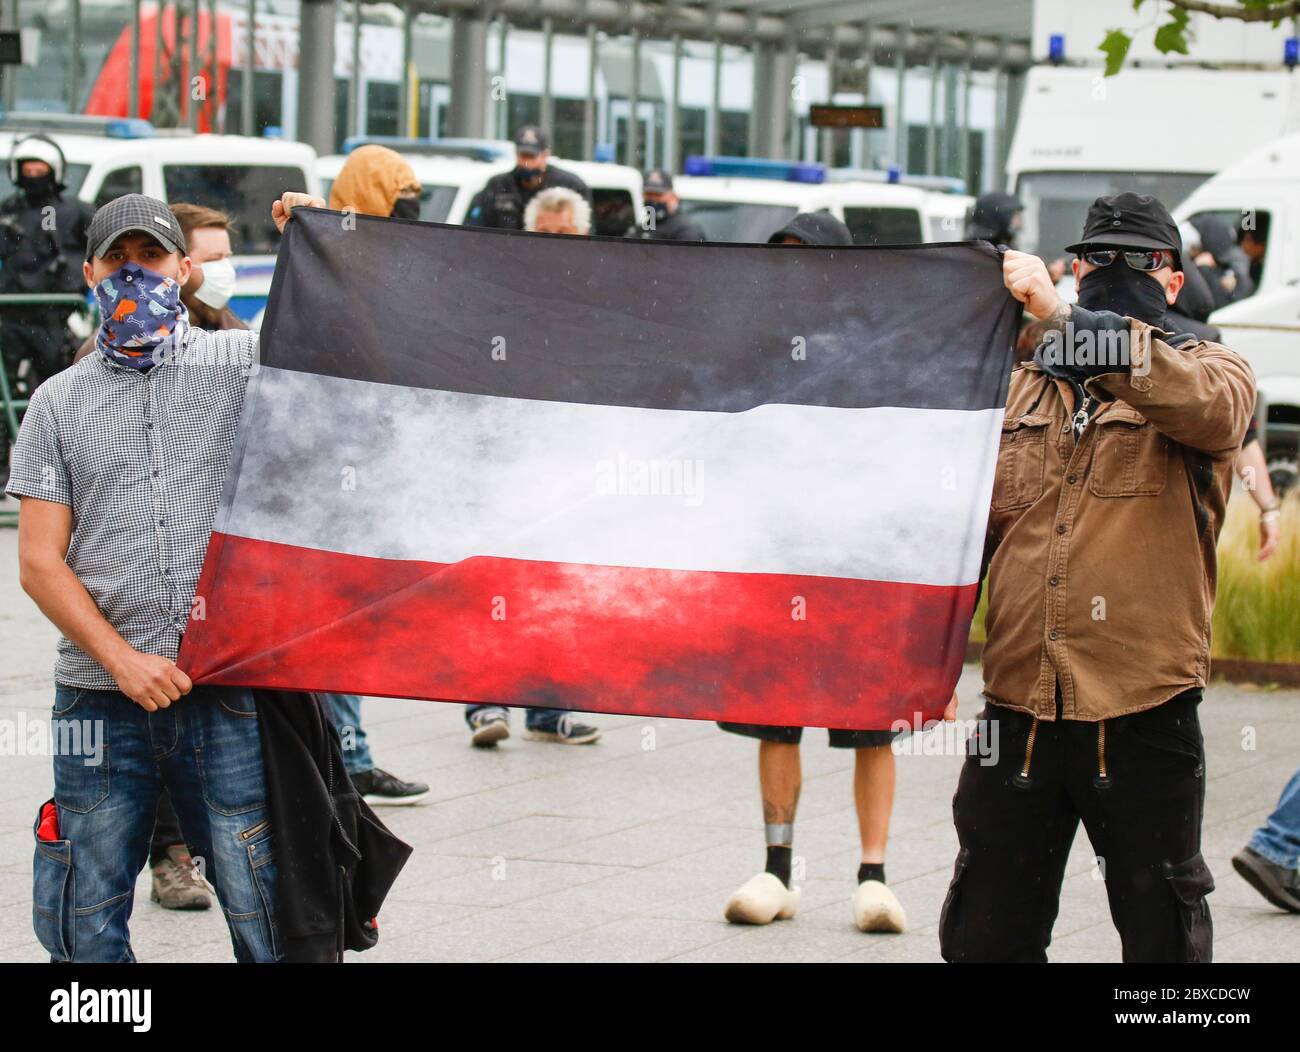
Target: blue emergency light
(1056,48)
(604,153)
(894,175)
(128,128)
(1291,52)
(756,168)
(79,124)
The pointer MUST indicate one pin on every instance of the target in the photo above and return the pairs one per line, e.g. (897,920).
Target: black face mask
(406,208)
(40,188)
(1126,291)
(528,177)
(661,211)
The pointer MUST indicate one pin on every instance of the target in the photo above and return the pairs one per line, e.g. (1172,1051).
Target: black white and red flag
(731,482)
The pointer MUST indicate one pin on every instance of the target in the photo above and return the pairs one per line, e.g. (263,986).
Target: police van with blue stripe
(105,157)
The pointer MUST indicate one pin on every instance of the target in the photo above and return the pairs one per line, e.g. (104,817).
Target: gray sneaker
(489,726)
(567,731)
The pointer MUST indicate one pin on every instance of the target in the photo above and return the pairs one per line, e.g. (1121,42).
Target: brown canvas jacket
(1101,561)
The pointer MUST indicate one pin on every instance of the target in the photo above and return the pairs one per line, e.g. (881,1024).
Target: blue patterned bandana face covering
(143,319)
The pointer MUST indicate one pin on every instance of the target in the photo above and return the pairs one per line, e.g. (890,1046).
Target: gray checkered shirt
(141,459)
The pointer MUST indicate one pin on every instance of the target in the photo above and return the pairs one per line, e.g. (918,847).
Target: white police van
(106,157)
(746,200)
(451,171)
(1262,190)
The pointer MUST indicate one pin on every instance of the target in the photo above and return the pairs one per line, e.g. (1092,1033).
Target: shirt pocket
(1022,462)
(1131,458)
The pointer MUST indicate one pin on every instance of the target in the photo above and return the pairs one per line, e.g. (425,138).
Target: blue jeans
(206,750)
(1278,839)
(345,712)
(534,719)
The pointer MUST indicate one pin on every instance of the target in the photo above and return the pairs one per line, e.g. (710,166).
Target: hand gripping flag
(735,482)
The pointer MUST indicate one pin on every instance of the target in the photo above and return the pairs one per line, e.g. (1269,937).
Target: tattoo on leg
(779,813)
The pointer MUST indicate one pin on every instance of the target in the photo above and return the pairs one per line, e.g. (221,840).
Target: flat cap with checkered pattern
(133,212)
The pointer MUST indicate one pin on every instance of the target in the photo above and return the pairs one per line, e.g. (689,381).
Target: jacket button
(1072,479)
(1051,635)
(1053,580)
(1060,528)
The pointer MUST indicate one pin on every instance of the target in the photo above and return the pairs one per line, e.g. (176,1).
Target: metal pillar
(634,104)
(769,115)
(1001,137)
(194,70)
(10,73)
(900,117)
(246,117)
(501,113)
(133,89)
(589,103)
(1015,91)
(214,114)
(862,137)
(74,59)
(316,75)
(156,89)
(354,80)
(548,60)
(467,112)
(931,128)
(673,140)
(404,114)
(832,73)
(949,162)
(791,146)
(715,103)
(966,168)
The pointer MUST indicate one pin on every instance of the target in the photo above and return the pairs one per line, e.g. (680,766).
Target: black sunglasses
(1148,260)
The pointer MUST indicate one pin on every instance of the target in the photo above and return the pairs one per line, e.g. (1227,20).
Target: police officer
(996,217)
(42,244)
(502,202)
(670,222)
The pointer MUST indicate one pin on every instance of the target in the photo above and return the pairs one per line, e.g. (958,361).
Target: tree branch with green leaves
(1172,37)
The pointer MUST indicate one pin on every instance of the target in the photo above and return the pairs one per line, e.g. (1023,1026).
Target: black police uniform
(42,245)
(677,227)
(502,201)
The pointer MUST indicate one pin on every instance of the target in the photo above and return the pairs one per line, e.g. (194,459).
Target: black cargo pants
(1137,783)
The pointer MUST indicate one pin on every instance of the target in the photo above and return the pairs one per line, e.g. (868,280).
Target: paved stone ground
(626,850)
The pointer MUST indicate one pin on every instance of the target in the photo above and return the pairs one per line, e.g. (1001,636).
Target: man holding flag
(1113,475)
(120,464)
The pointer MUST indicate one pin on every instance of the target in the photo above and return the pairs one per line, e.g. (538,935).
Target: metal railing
(11,408)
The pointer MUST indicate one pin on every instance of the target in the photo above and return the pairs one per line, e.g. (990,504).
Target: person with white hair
(555,210)
(558,210)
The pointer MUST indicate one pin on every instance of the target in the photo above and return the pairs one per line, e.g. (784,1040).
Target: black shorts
(792,735)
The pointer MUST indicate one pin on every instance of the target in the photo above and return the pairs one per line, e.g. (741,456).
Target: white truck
(1159,132)
(241,176)
(1162,126)
(1261,192)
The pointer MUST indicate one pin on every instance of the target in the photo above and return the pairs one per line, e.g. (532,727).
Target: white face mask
(218,283)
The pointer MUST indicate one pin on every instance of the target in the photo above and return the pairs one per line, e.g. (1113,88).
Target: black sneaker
(567,731)
(379,788)
(1281,886)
